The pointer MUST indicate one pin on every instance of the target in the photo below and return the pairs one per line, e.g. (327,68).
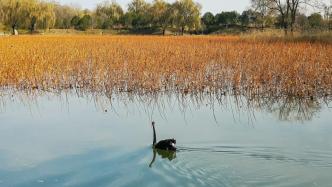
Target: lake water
(71,139)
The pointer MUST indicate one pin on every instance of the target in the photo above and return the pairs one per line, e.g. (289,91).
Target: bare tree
(262,8)
(295,5)
(328,15)
(287,9)
(274,6)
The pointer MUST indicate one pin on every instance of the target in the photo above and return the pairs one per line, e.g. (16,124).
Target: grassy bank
(279,36)
(246,34)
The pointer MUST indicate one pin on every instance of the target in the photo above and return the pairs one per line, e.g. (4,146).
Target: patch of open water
(71,139)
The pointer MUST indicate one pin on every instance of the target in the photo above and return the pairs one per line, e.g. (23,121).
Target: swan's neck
(154,135)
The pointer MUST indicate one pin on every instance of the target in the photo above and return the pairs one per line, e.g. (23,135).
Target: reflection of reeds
(160,103)
(187,65)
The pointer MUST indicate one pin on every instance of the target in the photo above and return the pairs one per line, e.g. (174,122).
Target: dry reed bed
(189,65)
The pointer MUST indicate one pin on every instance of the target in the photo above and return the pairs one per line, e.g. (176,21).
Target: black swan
(167,145)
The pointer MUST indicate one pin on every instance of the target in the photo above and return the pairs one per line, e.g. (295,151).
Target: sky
(214,6)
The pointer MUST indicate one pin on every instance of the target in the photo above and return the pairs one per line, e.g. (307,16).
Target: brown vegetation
(187,65)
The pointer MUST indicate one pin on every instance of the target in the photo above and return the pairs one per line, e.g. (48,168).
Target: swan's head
(153,123)
(173,141)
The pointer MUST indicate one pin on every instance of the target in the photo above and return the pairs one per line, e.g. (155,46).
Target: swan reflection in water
(166,155)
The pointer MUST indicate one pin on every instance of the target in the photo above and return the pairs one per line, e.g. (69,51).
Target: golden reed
(148,64)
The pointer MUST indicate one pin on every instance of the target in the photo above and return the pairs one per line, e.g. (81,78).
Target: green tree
(227,18)
(84,23)
(138,12)
(187,15)
(315,20)
(126,20)
(208,19)
(245,18)
(64,15)
(75,22)
(108,14)
(162,14)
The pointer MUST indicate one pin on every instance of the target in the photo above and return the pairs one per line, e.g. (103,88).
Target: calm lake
(77,139)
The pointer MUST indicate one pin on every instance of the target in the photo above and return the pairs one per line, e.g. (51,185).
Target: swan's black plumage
(168,145)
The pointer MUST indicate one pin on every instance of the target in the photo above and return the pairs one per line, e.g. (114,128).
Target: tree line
(181,16)
(273,14)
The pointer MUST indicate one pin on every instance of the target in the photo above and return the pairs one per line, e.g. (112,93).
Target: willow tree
(108,14)
(47,17)
(14,13)
(187,15)
(1,12)
(33,13)
(27,14)
(63,15)
(138,12)
(40,15)
(162,14)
